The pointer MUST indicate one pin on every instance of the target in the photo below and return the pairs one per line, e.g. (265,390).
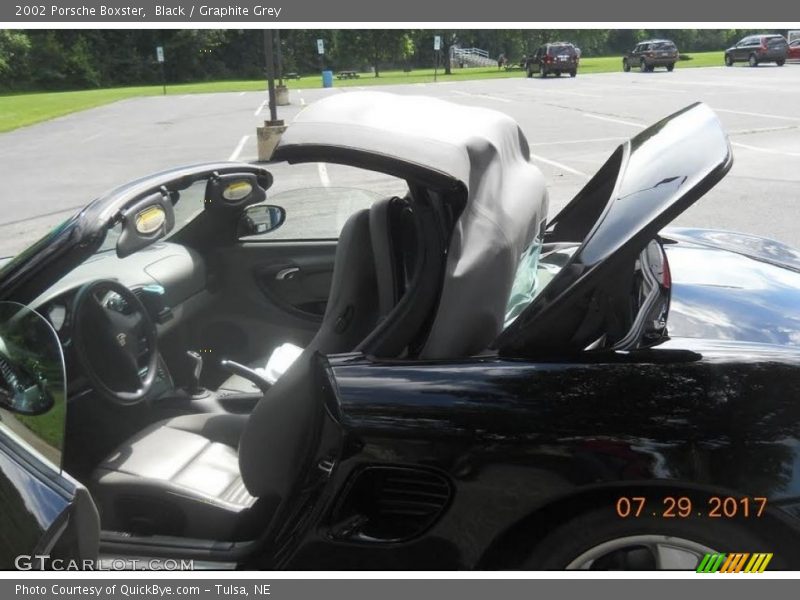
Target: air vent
(390,504)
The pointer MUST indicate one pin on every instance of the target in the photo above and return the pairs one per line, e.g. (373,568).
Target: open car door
(647,182)
(46,515)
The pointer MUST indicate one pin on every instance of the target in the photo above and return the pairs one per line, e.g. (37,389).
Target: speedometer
(57,314)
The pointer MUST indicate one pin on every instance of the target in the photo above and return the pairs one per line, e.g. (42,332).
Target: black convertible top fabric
(427,139)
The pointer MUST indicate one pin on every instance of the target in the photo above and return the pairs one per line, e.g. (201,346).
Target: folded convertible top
(480,152)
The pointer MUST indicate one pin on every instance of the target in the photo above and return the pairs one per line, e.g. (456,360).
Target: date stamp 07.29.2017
(684,507)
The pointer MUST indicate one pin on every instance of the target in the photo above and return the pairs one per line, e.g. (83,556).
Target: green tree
(371,46)
(79,66)
(14,47)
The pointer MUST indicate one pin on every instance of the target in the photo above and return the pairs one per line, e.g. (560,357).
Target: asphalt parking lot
(51,169)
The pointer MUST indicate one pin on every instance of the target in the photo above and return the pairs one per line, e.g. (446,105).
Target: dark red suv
(556,57)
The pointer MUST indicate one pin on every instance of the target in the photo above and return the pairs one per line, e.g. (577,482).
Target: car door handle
(287,273)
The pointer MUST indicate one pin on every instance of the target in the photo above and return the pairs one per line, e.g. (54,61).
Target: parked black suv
(757,49)
(651,54)
(556,57)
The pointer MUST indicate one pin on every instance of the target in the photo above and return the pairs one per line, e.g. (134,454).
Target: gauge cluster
(113,301)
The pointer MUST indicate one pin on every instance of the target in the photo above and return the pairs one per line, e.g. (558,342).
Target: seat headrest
(409,259)
(392,233)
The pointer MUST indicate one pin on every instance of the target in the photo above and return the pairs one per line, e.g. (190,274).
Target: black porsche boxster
(439,378)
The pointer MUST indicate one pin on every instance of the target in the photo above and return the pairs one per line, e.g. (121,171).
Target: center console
(194,398)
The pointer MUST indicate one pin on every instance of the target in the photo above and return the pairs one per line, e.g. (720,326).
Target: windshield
(318,213)
(188,205)
(311,212)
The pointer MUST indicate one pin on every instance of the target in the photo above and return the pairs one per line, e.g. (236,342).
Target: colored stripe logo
(735,562)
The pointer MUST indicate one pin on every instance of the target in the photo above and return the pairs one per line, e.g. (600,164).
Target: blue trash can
(327,79)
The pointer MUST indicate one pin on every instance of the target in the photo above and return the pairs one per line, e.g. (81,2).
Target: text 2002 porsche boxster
(450,381)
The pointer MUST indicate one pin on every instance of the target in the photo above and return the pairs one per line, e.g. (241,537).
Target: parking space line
(586,141)
(611,120)
(755,114)
(654,88)
(529,90)
(580,95)
(242,93)
(738,84)
(488,96)
(260,108)
(94,136)
(559,165)
(323,175)
(753,130)
(765,150)
(235,154)
(632,87)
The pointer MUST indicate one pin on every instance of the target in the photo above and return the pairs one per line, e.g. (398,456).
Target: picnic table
(293,75)
(347,75)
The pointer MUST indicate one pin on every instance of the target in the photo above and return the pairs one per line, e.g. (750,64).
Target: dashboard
(176,272)
(176,276)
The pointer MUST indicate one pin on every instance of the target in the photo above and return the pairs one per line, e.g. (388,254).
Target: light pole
(280,57)
(270,134)
(269,46)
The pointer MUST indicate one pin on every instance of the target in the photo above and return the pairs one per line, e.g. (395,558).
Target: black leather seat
(220,477)
(178,476)
(181,476)
(392,233)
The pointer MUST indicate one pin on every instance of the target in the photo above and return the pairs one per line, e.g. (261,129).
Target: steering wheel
(115,340)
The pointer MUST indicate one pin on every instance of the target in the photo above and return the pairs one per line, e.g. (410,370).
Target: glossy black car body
(651,54)
(653,365)
(758,49)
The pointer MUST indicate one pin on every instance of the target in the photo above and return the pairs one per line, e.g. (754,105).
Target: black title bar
(369,11)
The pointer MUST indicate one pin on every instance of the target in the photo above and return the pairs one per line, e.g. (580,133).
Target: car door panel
(25,525)
(744,51)
(45,512)
(299,285)
(266,294)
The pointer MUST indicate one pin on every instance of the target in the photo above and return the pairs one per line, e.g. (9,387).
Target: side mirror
(260,219)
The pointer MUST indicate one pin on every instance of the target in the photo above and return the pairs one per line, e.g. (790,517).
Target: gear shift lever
(195,389)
